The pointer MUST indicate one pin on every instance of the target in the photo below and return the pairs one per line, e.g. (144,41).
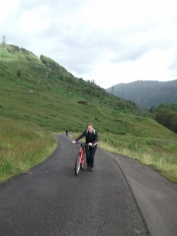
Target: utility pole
(2,53)
(112,90)
(20,57)
(4,48)
(141,106)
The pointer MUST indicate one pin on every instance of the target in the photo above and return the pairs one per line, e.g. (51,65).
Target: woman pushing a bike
(91,138)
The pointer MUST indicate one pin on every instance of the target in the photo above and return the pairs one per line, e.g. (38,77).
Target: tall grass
(161,154)
(22,145)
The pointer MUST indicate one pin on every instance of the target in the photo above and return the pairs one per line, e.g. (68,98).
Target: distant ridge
(147,93)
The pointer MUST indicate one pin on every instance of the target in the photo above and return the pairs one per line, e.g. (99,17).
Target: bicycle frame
(80,159)
(82,153)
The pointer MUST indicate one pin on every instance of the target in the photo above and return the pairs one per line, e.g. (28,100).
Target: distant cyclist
(66,132)
(91,138)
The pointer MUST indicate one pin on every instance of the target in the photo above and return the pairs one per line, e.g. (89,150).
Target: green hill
(39,97)
(43,92)
(147,94)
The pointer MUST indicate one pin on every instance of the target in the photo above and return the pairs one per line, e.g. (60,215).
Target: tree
(152,109)
(167,118)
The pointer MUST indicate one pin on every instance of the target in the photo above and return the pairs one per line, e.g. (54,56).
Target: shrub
(18,73)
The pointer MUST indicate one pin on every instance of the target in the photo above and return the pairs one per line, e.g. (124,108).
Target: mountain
(147,93)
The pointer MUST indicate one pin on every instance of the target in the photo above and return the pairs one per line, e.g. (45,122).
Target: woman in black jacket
(91,138)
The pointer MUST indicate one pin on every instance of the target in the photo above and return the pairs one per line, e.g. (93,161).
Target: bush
(18,73)
(168,118)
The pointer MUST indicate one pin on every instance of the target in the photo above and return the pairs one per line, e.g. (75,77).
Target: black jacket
(89,137)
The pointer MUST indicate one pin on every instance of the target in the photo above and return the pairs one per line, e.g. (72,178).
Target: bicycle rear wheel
(77,164)
(83,162)
(82,166)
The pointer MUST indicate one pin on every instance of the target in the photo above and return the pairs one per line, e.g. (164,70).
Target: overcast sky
(108,41)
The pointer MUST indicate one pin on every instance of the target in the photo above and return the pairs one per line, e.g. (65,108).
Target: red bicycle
(81,158)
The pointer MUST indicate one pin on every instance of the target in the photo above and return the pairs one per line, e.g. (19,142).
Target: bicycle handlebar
(83,144)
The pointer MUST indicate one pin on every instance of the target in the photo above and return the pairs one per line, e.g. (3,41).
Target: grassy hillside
(49,96)
(38,92)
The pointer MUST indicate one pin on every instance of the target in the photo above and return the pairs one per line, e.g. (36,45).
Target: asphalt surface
(121,197)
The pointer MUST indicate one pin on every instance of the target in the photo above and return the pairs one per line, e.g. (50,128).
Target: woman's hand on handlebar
(89,144)
(73,141)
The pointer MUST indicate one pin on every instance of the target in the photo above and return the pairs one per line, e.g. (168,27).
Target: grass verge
(22,145)
(157,153)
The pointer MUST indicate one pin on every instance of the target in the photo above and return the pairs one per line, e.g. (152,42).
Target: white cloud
(7,8)
(32,22)
(109,41)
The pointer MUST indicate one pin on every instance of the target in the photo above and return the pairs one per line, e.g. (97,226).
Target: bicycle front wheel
(77,164)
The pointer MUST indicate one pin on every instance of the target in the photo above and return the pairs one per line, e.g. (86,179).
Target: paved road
(156,196)
(112,200)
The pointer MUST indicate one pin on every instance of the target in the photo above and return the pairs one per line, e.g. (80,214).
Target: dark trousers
(90,153)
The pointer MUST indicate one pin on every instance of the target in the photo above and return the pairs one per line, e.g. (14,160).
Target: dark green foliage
(27,52)
(21,53)
(53,65)
(167,117)
(152,109)
(12,49)
(18,73)
(31,58)
(170,106)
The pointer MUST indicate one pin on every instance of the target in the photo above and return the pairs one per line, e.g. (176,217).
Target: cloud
(173,65)
(108,41)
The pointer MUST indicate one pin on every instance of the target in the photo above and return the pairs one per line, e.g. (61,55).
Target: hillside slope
(40,93)
(147,93)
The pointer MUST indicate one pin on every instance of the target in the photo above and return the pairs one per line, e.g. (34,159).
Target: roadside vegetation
(154,151)
(158,153)
(22,145)
(166,114)
(38,98)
